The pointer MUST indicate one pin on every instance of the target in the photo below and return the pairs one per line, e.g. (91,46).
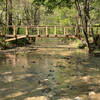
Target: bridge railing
(45,31)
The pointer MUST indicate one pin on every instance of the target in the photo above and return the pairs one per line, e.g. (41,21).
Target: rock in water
(94,96)
(91,93)
(64,99)
(77,98)
(37,98)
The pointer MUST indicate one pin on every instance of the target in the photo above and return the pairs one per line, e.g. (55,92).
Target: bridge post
(64,31)
(75,30)
(47,32)
(4,38)
(4,34)
(38,31)
(27,34)
(97,30)
(55,29)
(26,31)
(14,33)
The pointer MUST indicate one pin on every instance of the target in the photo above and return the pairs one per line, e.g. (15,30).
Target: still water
(48,71)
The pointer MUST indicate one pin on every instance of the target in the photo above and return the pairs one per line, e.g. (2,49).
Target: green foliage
(1,1)
(63,11)
(22,31)
(20,42)
(4,45)
(51,4)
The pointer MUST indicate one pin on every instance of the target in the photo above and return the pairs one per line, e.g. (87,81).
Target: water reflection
(48,73)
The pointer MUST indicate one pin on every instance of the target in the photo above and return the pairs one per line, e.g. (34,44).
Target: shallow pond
(51,71)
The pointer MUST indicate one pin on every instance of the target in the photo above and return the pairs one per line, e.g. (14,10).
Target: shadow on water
(39,75)
(84,72)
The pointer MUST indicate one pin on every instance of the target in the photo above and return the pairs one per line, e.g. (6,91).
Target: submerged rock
(96,54)
(94,96)
(82,46)
(70,87)
(49,75)
(51,70)
(60,66)
(67,57)
(77,98)
(8,79)
(33,61)
(43,81)
(92,93)
(37,98)
(65,99)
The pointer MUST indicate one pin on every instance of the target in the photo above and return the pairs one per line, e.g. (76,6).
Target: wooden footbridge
(19,32)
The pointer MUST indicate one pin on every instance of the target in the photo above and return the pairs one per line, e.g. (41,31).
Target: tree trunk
(9,8)
(6,12)
(84,16)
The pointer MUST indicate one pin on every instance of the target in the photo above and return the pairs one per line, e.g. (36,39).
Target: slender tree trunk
(36,17)
(78,28)
(9,8)
(84,16)
(6,12)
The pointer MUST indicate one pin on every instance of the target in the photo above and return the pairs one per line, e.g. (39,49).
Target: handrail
(29,26)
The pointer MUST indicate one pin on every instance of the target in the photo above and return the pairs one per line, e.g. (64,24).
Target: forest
(49,49)
(81,14)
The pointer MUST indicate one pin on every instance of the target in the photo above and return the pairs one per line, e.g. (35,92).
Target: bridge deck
(42,36)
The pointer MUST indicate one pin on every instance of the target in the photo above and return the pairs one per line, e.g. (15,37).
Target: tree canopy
(51,12)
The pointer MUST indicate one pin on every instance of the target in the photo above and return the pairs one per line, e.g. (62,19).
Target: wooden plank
(43,36)
(12,39)
(31,36)
(43,26)
(23,26)
(51,35)
(9,36)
